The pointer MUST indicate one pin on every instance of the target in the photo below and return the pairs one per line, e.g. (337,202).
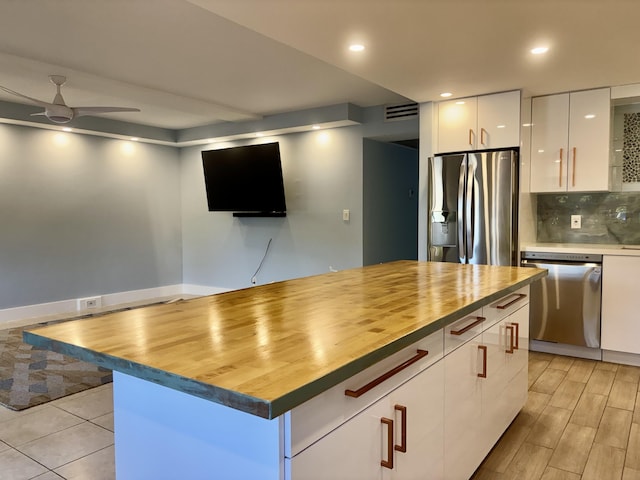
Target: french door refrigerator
(473,207)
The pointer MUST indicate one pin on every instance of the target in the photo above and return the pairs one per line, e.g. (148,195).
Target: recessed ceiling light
(539,50)
(446,94)
(356,47)
(316,127)
(134,139)
(590,116)
(67,129)
(459,102)
(500,126)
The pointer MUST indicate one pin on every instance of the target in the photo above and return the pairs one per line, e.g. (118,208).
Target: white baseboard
(621,357)
(113,299)
(202,290)
(70,306)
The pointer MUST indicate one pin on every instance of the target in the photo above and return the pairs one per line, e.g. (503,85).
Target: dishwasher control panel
(562,257)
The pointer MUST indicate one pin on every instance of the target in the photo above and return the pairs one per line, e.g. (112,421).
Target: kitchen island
(246,383)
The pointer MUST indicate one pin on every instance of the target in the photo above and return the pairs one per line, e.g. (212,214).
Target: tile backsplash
(606,218)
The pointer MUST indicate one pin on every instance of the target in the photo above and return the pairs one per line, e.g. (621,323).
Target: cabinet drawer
(312,420)
(505,306)
(463,330)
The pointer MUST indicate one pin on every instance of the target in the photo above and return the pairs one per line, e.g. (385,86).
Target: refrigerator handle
(462,248)
(470,211)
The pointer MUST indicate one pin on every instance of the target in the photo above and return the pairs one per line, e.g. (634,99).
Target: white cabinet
(505,388)
(424,455)
(398,437)
(352,451)
(478,123)
(620,304)
(462,410)
(485,384)
(570,142)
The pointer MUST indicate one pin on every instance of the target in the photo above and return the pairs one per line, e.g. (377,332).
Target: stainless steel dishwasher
(565,305)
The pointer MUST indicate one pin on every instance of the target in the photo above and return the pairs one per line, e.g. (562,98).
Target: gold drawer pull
(560,169)
(517,334)
(483,348)
(573,173)
(388,463)
(509,328)
(478,321)
(519,296)
(403,424)
(385,376)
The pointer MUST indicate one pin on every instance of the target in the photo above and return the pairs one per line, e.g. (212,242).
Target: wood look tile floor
(581,422)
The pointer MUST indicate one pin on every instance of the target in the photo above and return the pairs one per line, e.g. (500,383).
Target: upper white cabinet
(479,123)
(570,142)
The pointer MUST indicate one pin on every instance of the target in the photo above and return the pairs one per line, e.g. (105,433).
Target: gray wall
(322,176)
(84,215)
(390,192)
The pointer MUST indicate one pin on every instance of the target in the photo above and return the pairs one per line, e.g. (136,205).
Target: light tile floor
(581,422)
(68,438)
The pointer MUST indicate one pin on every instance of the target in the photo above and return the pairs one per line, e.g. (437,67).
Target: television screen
(244,179)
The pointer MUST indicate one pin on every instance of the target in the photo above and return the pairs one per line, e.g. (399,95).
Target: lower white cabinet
(485,388)
(620,304)
(441,422)
(462,410)
(398,437)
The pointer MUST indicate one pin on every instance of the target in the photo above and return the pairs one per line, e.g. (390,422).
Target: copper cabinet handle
(519,296)
(483,348)
(470,137)
(403,428)
(388,463)
(573,173)
(517,334)
(509,328)
(385,376)
(482,132)
(478,321)
(560,170)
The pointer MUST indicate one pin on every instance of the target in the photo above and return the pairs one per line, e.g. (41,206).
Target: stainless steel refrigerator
(473,207)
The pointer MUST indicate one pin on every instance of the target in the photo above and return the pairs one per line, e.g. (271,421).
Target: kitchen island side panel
(162,433)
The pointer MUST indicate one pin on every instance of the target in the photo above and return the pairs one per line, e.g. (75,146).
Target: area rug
(30,376)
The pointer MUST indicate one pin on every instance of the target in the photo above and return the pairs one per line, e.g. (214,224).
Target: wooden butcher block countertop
(267,349)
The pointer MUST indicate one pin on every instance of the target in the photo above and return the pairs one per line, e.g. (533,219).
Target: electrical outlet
(576,221)
(89,302)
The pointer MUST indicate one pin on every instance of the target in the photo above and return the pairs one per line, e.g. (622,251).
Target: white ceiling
(190,63)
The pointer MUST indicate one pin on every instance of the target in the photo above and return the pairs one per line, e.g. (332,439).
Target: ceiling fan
(58,111)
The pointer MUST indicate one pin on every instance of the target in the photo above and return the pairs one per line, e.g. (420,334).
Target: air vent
(401,111)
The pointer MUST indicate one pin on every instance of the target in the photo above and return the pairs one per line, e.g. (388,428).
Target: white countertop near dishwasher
(586,248)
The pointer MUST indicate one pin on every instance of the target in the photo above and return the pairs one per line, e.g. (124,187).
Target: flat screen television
(245,180)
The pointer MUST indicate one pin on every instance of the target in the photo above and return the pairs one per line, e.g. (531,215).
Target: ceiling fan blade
(32,100)
(80,111)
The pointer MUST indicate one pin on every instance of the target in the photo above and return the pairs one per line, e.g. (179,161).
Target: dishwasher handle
(540,263)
